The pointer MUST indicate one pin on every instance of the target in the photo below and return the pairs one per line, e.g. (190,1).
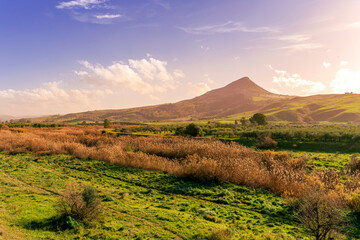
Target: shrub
(320,210)
(80,202)
(267,143)
(354,164)
(193,130)
(4,127)
(298,163)
(179,131)
(107,123)
(353,202)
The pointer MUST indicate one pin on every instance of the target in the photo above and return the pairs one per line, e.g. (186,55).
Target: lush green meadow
(138,204)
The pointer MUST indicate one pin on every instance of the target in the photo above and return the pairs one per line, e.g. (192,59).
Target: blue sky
(78,55)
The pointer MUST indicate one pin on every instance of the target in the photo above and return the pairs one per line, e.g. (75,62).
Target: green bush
(259,118)
(107,123)
(80,202)
(193,130)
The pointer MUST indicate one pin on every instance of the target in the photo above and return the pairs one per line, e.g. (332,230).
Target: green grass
(318,155)
(138,204)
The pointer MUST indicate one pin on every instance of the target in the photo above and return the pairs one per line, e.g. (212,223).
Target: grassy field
(186,194)
(138,204)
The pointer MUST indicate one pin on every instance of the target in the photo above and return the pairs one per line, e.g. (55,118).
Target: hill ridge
(242,97)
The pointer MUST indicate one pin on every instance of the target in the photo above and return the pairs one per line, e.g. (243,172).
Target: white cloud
(228,27)
(326,64)
(354,25)
(49,98)
(144,76)
(198,89)
(86,4)
(294,81)
(178,73)
(302,47)
(292,38)
(343,63)
(82,16)
(346,80)
(108,16)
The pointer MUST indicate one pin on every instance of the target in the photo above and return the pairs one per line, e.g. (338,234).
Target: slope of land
(332,108)
(239,98)
(138,204)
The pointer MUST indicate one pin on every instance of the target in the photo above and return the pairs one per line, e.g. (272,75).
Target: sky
(62,56)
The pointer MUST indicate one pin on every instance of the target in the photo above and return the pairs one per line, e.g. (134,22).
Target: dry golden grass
(204,160)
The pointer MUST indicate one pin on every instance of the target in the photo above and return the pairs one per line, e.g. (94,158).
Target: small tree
(80,202)
(259,118)
(320,210)
(107,123)
(243,121)
(193,130)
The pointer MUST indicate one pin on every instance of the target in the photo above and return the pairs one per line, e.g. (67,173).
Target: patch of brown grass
(203,160)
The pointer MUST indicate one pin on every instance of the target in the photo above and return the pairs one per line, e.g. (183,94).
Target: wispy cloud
(145,76)
(162,3)
(353,25)
(108,16)
(86,4)
(94,11)
(88,17)
(302,47)
(291,38)
(295,81)
(228,27)
(197,89)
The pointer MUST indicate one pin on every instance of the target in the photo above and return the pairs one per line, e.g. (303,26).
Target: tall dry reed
(205,160)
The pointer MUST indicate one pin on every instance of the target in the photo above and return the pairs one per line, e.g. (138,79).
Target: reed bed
(203,160)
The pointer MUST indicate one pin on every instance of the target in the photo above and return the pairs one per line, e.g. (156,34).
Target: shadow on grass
(55,223)
(352,228)
(326,147)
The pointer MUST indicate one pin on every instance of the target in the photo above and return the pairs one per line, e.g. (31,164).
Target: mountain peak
(242,82)
(244,86)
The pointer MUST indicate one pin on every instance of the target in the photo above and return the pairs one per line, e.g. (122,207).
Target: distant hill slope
(243,97)
(332,108)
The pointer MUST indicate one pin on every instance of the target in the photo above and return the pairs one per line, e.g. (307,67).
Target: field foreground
(163,188)
(138,204)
